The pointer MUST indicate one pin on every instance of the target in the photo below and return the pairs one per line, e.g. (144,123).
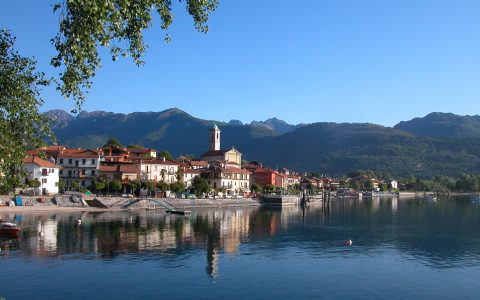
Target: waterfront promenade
(65,203)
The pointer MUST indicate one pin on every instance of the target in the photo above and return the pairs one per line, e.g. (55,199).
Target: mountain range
(437,144)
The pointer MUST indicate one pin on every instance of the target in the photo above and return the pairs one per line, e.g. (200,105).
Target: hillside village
(115,169)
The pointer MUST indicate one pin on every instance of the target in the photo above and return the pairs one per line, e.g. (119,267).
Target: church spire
(214,138)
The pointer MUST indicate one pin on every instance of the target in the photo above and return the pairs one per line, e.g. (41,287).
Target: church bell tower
(214,138)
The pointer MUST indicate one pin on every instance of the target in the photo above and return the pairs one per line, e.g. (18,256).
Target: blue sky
(301,61)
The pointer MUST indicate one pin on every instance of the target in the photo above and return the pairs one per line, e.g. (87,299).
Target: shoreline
(112,204)
(108,204)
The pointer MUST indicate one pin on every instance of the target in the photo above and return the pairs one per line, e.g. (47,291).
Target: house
(46,172)
(193,164)
(293,180)
(315,182)
(80,166)
(141,153)
(115,153)
(49,151)
(159,170)
(264,176)
(234,180)
(188,175)
(394,184)
(124,172)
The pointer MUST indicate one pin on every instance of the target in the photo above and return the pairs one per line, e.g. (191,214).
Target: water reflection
(441,234)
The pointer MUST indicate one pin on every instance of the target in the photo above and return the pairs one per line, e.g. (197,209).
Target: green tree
(149,185)
(200,186)
(133,186)
(74,186)
(384,187)
(99,186)
(222,190)
(180,173)
(22,126)
(368,185)
(116,185)
(116,25)
(166,154)
(35,184)
(61,185)
(163,186)
(177,187)
(255,187)
(268,188)
(113,141)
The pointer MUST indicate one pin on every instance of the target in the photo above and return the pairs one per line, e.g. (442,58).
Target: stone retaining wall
(41,201)
(119,203)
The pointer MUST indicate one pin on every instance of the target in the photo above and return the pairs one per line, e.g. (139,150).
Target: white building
(394,184)
(159,170)
(79,166)
(235,181)
(47,173)
(188,175)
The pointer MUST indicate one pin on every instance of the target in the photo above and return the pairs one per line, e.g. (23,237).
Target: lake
(402,248)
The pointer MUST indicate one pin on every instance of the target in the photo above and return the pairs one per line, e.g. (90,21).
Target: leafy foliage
(464,183)
(116,185)
(200,186)
(255,187)
(22,126)
(99,185)
(163,186)
(74,186)
(166,154)
(133,186)
(117,25)
(177,187)
(61,185)
(113,141)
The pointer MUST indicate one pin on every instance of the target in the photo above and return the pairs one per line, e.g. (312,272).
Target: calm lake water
(408,248)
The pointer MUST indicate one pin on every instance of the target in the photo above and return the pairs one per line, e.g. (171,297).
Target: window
(69,172)
(83,182)
(93,161)
(83,172)
(84,161)
(61,161)
(44,180)
(61,172)
(93,172)
(44,172)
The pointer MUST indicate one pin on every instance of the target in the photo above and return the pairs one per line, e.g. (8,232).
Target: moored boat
(8,229)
